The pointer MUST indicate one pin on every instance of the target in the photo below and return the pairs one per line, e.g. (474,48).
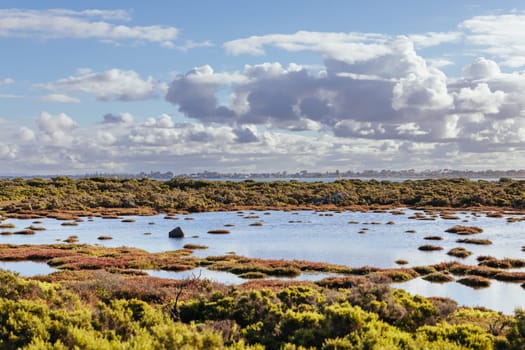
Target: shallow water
(315,238)
(500,296)
(27,268)
(230,278)
(308,235)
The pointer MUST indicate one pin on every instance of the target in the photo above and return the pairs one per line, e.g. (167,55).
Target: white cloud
(410,129)
(479,99)
(190,44)
(7,81)
(26,134)
(106,138)
(439,62)
(88,24)
(56,129)
(60,98)
(113,84)
(7,151)
(120,119)
(498,35)
(10,96)
(350,47)
(481,68)
(122,15)
(162,121)
(434,38)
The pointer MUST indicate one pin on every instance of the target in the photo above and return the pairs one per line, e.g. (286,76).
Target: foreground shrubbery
(43,315)
(62,193)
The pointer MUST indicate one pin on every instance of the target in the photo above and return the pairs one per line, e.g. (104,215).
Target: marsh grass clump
(449,216)
(394,275)
(104,238)
(24,232)
(506,263)
(229,225)
(475,282)
(424,270)
(253,275)
(7,225)
(474,241)
(401,261)
(459,252)
(438,277)
(195,246)
(219,232)
(176,267)
(495,214)
(69,223)
(36,228)
(433,238)
(430,247)
(464,230)
(71,239)
(257,223)
(6,233)
(128,220)
(410,231)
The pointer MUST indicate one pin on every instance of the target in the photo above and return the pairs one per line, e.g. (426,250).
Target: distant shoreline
(380,175)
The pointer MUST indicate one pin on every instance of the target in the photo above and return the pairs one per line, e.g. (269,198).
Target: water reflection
(27,268)
(500,296)
(230,278)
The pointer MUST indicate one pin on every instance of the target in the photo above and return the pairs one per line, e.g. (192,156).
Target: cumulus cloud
(113,84)
(479,99)
(434,38)
(56,129)
(498,35)
(195,94)
(353,98)
(7,81)
(87,24)
(481,68)
(7,151)
(60,98)
(59,145)
(123,118)
(349,47)
(245,135)
(26,134)
(375,101)
(387,91)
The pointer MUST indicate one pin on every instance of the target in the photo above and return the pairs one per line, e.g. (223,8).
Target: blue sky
(129,86)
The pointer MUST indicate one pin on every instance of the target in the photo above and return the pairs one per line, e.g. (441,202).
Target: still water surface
(312,236)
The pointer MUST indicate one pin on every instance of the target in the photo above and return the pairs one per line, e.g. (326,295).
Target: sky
(264,86)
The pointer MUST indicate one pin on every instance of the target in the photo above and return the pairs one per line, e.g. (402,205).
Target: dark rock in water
(177,233)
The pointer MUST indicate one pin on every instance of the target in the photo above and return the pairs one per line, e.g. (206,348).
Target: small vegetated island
(100,298)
